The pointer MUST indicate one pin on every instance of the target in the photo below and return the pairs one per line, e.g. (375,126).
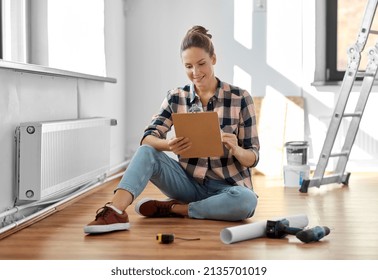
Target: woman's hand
(231,142)
(178,145)
(245,157)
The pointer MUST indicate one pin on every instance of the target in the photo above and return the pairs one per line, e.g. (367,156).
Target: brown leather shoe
(108,220)
(156,208)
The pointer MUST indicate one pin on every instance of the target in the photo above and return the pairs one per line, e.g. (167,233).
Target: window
(67,35)
(344,18)
(13,30)
(75,35)
(1,31)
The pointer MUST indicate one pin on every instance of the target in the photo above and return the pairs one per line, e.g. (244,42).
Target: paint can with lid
(296,152)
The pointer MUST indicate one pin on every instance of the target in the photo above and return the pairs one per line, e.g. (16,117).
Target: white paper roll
(255,230)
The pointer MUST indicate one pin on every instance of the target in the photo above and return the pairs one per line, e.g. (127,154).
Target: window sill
(324,85)
(47,71)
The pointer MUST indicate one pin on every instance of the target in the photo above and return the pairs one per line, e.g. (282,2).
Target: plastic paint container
(296,152)
(295,174)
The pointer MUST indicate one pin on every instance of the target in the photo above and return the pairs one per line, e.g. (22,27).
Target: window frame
(332,73)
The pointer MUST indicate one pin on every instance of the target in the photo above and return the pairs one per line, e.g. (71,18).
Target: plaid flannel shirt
(236,113)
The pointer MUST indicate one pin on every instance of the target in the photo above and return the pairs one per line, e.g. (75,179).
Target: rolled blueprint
(255,230)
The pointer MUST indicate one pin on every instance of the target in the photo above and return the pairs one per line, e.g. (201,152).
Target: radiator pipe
(19,208)
(110,175)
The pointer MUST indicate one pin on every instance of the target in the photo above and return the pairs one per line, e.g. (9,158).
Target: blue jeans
(214,199)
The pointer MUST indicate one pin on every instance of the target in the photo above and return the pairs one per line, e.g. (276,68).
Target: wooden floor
(351,213)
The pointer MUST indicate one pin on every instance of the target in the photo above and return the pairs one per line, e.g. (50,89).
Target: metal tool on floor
(354,57)
(280,228)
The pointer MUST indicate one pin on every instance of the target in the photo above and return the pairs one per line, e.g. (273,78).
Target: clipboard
(204,132)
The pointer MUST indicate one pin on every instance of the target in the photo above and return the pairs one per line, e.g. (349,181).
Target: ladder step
(373,32)
(363,74)
(342,154)
(352,115)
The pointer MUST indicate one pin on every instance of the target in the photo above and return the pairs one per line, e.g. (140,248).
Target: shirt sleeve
(248,135)
(161,123)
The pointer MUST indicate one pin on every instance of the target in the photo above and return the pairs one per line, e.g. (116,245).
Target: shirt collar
(193,93)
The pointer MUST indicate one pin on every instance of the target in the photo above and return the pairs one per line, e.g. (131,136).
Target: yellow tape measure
(167,238)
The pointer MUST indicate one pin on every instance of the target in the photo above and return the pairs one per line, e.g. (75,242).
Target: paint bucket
(295,174)
(296,152)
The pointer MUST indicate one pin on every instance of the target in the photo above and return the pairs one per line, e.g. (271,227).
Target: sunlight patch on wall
(326,100)
(243,22)
(281,120)
(242,79)
(284,52)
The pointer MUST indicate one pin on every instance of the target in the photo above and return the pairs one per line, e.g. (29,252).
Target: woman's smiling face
(199,66)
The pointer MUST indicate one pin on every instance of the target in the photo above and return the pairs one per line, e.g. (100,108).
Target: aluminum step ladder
(354,56)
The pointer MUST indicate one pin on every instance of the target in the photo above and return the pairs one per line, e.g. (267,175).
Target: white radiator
(56,156)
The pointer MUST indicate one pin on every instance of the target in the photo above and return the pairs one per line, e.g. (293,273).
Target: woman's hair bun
(200,29)
(198,36)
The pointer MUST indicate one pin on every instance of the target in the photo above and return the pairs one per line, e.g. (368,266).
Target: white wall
(29,97)
(269,55)
(155,30)
(285,41)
